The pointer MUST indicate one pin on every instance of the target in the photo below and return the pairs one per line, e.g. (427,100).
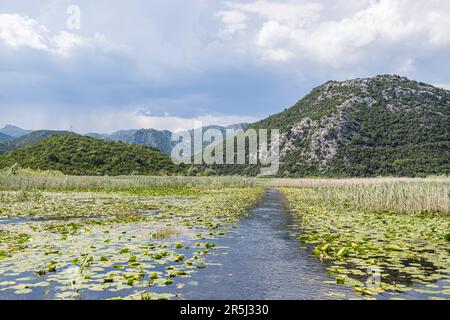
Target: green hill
(79,155)
(387,125)
(29,139)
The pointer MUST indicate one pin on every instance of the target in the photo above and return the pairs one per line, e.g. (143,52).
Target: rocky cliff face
(378,126)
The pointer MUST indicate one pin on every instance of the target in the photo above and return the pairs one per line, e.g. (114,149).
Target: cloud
(64,43)
(178,60)
(18,31)
(274,39)
(306,31)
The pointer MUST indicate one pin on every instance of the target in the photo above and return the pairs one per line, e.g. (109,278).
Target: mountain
(148,137)
(29,139)
(5,137)
(14,131)
(386,125)
(160,140)
(80,155)
(121,135)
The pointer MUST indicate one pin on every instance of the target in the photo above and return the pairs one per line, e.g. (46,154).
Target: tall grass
(18,170)
(397,195)
(350,181)
(111,184)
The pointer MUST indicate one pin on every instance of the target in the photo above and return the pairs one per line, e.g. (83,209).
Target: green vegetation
(382,126)
(390,195)
(77,155)
(111,220)
(139,185)
(398,227)
(140,237)
(17,170)
(29,138)
(111,245)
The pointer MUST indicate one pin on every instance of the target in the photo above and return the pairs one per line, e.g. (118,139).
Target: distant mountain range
(149,137)
(154,138)
(14,131)
(160,140)
(382,126)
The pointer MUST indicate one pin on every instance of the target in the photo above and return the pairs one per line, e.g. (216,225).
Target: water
(264,260)
(261,259)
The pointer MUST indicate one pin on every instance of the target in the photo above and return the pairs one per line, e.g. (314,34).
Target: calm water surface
(264,260)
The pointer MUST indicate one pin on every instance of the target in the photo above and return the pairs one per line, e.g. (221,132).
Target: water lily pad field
(148,238)
(112,238)
(397,228)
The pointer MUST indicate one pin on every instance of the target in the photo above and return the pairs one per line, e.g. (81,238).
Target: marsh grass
(397,195)
(132,184)
(346,182)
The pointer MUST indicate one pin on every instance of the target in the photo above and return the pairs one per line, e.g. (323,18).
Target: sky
(105,65)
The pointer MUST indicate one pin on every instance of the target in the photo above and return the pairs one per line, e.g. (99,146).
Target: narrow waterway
(264,260)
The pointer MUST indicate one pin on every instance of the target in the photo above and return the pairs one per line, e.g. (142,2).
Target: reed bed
(118,184)
(350,181)
(398,195)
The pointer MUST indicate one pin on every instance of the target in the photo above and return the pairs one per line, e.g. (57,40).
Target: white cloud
(274,34)
(305,31)
(247,57)
(439,26)
(18,31)
(65,41)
